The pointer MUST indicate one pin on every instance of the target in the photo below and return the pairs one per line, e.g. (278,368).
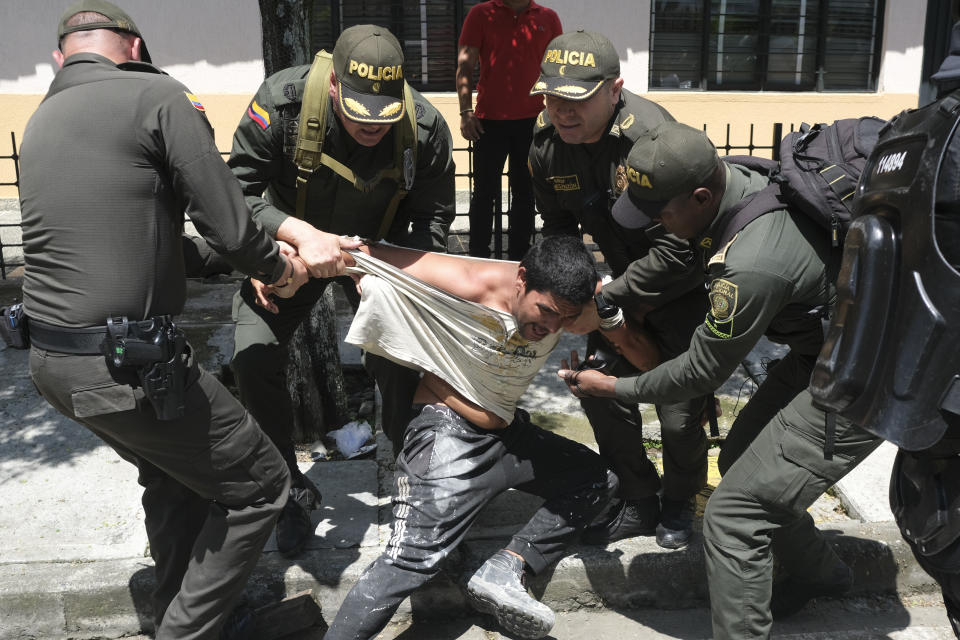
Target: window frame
(397,24)
(762,52)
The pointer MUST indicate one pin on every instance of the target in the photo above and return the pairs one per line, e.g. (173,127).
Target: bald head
(118,46)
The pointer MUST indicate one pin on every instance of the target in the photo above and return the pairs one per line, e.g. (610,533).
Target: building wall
(214,48)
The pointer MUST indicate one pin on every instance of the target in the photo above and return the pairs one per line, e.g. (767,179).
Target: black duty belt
(81,341)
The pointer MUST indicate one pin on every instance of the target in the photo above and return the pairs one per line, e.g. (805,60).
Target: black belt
(81,341)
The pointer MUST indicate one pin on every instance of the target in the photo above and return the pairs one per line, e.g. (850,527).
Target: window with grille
(765,45)
(427,30)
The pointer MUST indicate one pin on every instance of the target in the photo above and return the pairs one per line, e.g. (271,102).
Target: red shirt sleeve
(471,34)
(557,27)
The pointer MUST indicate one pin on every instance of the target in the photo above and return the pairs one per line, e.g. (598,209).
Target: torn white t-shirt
(474,348)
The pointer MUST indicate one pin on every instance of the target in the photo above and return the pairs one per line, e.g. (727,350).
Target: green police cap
(669,160)
(368,63)
(576,64)
(117,19)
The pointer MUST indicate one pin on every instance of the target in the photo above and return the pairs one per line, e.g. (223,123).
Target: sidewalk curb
(111,598)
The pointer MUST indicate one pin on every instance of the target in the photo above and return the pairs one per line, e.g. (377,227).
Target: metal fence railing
(11,255)
(10,224)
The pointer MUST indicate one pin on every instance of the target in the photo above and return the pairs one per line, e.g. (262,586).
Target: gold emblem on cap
(562,69)
(355,106)
(570,88)
(621,181)
(375,87)
(389,110)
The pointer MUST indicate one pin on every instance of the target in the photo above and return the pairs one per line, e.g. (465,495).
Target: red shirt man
(508,37)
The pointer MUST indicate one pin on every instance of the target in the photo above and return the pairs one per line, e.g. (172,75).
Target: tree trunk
(286,33)
(314,378)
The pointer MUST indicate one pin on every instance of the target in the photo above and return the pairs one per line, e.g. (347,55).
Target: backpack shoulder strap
(313,125)
(746,211)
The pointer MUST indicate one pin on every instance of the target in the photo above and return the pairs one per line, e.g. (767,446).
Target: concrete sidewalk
(74,561)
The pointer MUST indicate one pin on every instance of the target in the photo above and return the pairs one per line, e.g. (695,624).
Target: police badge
(620,182)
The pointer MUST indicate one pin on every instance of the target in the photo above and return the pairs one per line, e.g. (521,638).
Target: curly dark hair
(562,266)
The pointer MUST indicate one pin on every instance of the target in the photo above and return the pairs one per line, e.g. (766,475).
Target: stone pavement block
(31,615)
(348,514)
(504,515)
(865,491)
(67,496)
(548,393)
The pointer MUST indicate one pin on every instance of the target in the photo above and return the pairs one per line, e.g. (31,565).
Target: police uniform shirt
(768,279)
(111,160)
(262,159)
(576,185)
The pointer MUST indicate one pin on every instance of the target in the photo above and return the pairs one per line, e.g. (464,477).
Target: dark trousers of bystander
(502,139)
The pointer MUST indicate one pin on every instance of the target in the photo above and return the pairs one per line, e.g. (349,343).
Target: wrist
(464,112)
(287,276)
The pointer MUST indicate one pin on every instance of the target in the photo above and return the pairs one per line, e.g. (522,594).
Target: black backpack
(817,173)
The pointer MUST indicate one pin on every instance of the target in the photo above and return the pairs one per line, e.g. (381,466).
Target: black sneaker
(676,523)
(295,526)
(497,588)
(633,518)
(791,595)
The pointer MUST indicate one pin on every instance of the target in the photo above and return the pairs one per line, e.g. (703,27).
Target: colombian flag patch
(194,100)
(259,115)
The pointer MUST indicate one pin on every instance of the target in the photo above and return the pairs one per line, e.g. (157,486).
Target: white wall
(210,45)
(625,22)
(901,64)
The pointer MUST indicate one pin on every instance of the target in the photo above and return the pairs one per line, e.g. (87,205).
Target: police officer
(886,365)
(131,151)
(578,163)
(765,281)
(346,146)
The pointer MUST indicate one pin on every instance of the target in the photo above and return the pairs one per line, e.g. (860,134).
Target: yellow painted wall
(696,109)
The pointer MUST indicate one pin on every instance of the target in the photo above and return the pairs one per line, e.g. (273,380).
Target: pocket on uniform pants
(247,467)
(814,474)
(103,399)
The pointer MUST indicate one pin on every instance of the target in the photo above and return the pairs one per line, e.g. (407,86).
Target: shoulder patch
(194,101)
(259,115)
(420,110)
(720,257)
(723,306)
(290,92)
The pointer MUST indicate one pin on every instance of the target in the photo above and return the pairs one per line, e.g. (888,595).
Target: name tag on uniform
(565,183)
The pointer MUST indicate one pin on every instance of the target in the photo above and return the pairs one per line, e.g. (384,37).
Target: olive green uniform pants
(213,483)
(617,426)
(760,508)
(783,382)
